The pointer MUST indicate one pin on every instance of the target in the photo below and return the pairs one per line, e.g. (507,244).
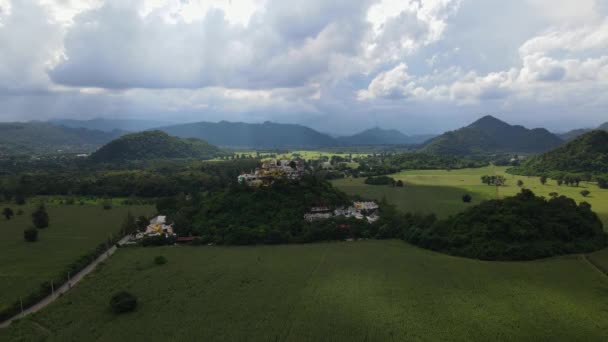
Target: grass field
(440,191)
(361,291)
(74,231)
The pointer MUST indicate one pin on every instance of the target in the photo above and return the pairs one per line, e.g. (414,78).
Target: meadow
(441,191)
(349,291)
(74,230)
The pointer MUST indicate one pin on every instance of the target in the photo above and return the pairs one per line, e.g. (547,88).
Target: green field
(361,291)
(440,191)
(74,231)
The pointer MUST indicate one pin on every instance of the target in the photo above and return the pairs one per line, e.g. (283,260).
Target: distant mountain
(379,136)
(153,145)
(109,125)
(265,135)
(585,154)
(491,135)
(578,132)
(42,137)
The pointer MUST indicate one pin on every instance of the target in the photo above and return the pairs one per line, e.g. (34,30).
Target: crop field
(441,191)
(74,231)
(349,291)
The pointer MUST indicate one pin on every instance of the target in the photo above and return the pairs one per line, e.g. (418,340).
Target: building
(158,226)
(359,211)
(272,170)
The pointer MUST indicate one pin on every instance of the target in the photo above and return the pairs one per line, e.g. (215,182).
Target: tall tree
(40,218)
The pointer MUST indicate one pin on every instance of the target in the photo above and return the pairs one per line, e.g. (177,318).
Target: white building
(158,226)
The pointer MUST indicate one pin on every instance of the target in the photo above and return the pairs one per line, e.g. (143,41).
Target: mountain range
(578,132)
(109,125)
(43,137)
(490,135)
(379,136)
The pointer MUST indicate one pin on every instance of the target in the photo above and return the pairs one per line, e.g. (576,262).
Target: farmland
(74,231)
(440,191)
(367,290)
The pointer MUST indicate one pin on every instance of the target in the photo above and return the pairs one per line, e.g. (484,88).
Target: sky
(339,66)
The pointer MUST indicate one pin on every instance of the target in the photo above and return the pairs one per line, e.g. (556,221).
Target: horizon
(421,67)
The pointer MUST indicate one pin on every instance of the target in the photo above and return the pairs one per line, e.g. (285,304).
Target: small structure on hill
(359,210)
(272,170)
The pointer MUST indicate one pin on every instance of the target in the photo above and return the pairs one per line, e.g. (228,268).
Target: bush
(123,302)
(585,193)
(160,260)
(30,235)
(40,218)
(381,180)
(467,198)
(107,205)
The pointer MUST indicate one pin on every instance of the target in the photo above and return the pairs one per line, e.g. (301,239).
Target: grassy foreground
(440,191)
(361,291)
(74,231)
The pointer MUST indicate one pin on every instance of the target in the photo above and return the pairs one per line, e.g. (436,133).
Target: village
(272,170)
(359,210)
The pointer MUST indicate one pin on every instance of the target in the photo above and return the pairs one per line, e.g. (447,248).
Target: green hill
(154,145)
(585,154)
(239,134)
(578,132)
(379,136)
(489,135)
(41,137)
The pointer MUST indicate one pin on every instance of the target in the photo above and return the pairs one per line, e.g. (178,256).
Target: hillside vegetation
(585,154)
(521,227)
(40,137)
(154,145)
(265,135)
(379,136)
(489,135)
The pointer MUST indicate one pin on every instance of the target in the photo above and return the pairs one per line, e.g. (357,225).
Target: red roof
(186,238)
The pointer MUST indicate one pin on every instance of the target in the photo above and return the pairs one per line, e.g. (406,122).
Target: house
(272,170)
(158,226)
(359,211)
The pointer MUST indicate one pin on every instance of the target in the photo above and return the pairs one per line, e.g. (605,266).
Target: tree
(467,198)
(160,260)
(602,183)
(8,213)
(19,199)
(520,183)
(560,181)
(142,223)
(122,302)
(585,193)
(553,194)
(399,184)
(30,235)
(129,226)
(543,179)
(40,218)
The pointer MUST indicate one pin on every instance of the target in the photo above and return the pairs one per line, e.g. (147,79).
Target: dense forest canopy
(489,135)
(522,227)
(154,145)
(586,154)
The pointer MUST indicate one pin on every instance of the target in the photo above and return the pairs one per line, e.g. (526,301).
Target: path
(65,287)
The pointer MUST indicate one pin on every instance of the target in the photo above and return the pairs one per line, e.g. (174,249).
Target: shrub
(160,260)
(122,302)
(107,205)
(40,218)
(381,180)
(467,198)
(585,193)
(30,235)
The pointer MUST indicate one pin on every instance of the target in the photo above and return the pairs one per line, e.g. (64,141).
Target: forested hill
(379,136)
(42,137)
(154,145)
(585,154)
(265,135)
(578,132)
(491,135)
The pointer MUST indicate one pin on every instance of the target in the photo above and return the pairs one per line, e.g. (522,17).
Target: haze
(337,66)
